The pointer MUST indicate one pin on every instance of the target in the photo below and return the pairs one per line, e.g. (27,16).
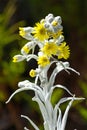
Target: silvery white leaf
(64,119)
(59,86)
(42,109)
(59,120)
(49,109)
(19,90)
(31,122)
(25,128)
(22,83)
(46,127)
(26,85)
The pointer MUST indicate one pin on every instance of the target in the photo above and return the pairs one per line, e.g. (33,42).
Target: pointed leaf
(31,122)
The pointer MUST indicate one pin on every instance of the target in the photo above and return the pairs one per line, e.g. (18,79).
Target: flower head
(21,31)
(40,32)
(18,58)
(26,49)
(32,73)
(57,34)
(43,61)
(50,48)
(15,59)
(63,51)
(26,32)
(54,23)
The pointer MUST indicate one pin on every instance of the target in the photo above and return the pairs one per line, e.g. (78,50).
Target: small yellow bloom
(43,61)
(57,34)
(15,59)
(63,51)
(40,32)
(26,49)
(54,23)
(32,73)
(18,58)
(50,48)
(21,31)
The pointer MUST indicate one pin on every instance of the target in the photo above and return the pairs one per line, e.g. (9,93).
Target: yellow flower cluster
(48,35)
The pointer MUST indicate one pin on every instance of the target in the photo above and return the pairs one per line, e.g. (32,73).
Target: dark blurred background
(17,13)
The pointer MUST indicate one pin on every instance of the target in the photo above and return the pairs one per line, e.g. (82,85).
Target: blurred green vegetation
(8,39)
(14,14)
(9,72)
(83,108)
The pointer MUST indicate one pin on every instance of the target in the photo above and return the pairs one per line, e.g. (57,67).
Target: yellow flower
(32,73)
(50,48)
(55,23)
(63,51)
(18,58)
(43,61)
(56,35)
(40,32)
(15,59)
(21,31)
(26,49)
